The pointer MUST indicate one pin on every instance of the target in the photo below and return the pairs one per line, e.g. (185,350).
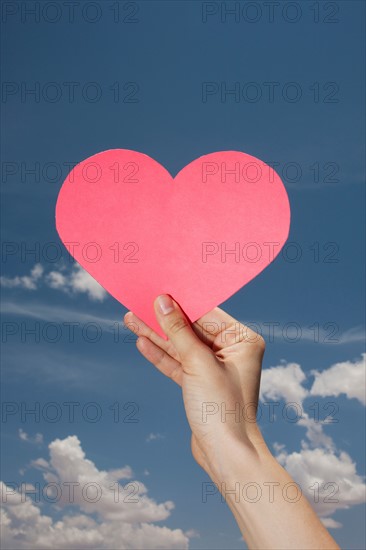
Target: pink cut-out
(199,237)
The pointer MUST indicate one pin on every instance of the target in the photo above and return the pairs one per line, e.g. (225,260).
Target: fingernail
(165,304)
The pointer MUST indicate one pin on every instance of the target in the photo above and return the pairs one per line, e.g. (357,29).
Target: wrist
(239,456)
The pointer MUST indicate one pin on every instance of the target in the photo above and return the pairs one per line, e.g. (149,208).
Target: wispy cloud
(154,437)
(353,335)
(50,366)
(273,331)
(74,281)
(36,439)
(44,312)
(27,282)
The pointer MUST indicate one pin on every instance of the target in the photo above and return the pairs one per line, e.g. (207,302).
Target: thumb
(178,329)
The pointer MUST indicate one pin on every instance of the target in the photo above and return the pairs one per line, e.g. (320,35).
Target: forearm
(270,509)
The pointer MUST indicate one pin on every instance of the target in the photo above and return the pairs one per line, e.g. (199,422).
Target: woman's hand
(217,362)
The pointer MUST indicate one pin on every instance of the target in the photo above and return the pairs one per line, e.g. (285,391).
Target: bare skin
(217,361)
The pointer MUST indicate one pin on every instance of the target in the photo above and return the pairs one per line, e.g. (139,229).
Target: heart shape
(199,237)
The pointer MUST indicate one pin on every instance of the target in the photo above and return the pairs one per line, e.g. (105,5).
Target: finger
(158,357)
(219,329)
(178,329)
(208,327)
(206,331)
(138,327)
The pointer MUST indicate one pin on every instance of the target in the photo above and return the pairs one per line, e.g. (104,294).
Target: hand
(217,362)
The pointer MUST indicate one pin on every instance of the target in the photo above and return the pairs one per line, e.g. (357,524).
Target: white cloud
(283,382)
(79,280)
(278,447)
(121,473)
(57,280)
(330,523)
(314,432)
(37,438)
(40,464)
(28,282)
(328,479)
(153,436)
(286,381)
(68,462)
(76,281)
(347,377)
(192,533)
(319,463)
(113,521)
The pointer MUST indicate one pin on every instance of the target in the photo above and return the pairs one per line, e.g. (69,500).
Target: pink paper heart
(199,237)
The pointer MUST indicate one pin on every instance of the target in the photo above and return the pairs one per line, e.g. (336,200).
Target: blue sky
(160,56)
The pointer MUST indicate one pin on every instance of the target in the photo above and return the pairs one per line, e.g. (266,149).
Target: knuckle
(159,358)
(177,325)
(172,351)
(251,337)
(253,342)
(260,343)
(175,375)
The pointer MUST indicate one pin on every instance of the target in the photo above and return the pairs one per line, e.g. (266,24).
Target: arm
(217,361)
